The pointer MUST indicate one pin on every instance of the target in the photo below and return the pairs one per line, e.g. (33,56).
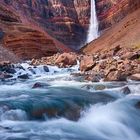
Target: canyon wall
(110,12)
(66,20)
(22,36)
(36,28)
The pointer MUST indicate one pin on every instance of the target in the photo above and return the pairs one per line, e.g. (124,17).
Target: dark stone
(116,49)
(10,70)
(125,90)
(24,76)
(40,85)
(5,75)
(134,56)
(46,69)
(31,70)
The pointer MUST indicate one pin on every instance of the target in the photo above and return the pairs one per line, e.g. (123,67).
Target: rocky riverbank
(117,64)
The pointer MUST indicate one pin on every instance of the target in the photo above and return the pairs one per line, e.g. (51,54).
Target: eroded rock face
(23,37)
(66,20)
(112,11)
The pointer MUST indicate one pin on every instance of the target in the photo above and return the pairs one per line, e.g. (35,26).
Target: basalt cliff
(37,28)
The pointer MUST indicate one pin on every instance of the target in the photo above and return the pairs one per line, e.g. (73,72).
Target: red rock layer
(66,20)
(23,37)
(112,11)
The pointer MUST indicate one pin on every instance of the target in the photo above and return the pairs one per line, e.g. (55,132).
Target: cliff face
(31,28)
(66,20)
(23,37)
(110,12)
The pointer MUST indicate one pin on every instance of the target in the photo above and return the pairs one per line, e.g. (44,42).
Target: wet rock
(100,87)
(24,76)
(10,70)
(87,87)
(40,85)
(46,69)
(5,75)
(31,70)
(7,67)
(93,77)
(87,63)
(135,77)
(126,90)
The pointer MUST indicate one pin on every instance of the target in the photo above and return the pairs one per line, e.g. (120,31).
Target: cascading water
(93,28)
(62,107)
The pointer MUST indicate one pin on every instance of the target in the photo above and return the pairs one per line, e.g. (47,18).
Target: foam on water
(118,119)
(114,121)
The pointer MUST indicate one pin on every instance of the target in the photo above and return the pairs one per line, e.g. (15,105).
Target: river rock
(40,85)
(126,90)
(46,69)
(99,87)
(24,76)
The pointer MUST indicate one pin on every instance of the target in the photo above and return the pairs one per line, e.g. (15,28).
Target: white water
(115,120)
(93,28)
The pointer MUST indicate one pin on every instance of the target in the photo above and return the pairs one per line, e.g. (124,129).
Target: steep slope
(124,34)
(110,12)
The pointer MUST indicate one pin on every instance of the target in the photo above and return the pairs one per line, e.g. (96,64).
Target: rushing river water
(67,108)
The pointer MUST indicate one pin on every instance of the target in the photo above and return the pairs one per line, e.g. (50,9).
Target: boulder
(131,55)
(46,69)
(87,63)
(40,85)
(116,49)
(125,90)
(66,60)
(135,77)
(99,87)
(116,76)
(24,76)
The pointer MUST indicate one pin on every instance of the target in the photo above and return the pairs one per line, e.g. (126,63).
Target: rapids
(68,108)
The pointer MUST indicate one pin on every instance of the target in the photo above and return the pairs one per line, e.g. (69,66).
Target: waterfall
(93,28)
